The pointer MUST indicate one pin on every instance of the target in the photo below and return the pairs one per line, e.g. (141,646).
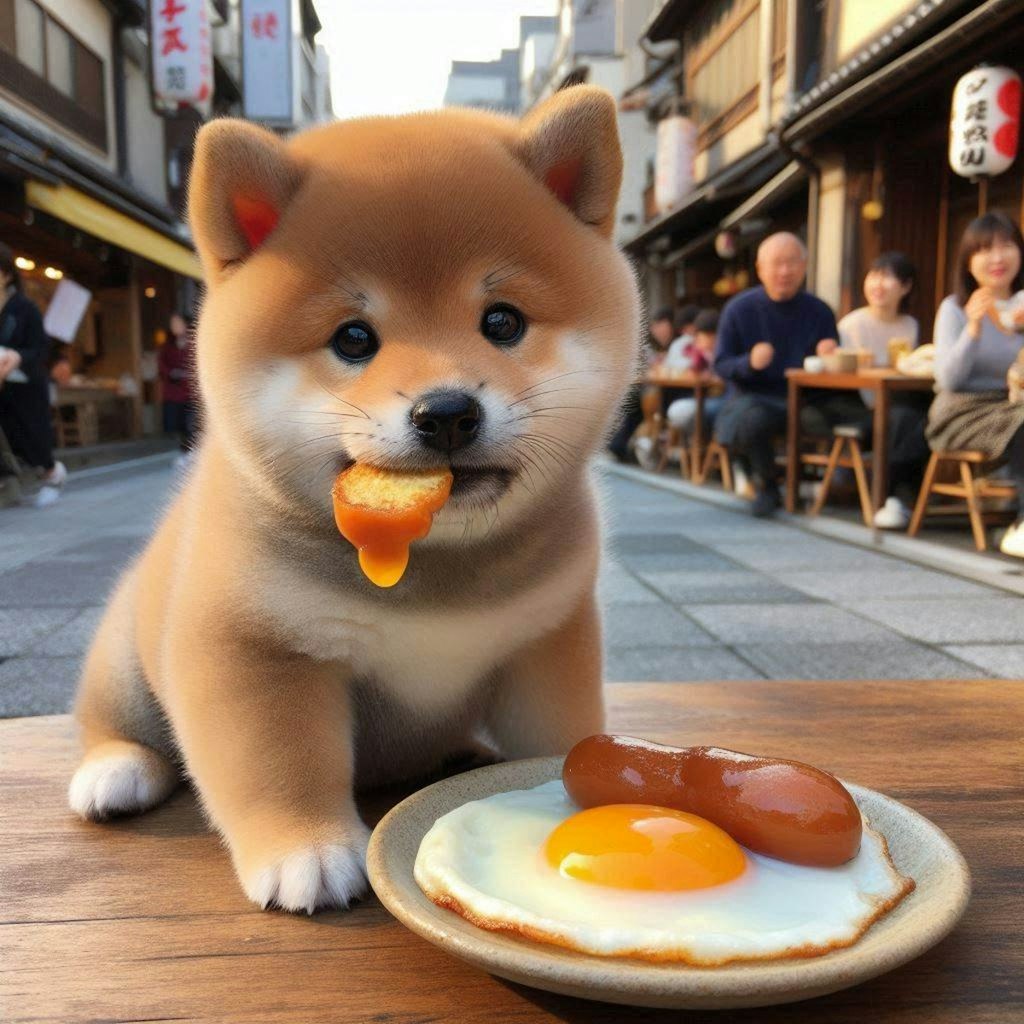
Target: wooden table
(884,383)
(703,385)
(142,919)
(86,402)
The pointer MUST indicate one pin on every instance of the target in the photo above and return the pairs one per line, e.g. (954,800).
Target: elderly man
(763,332)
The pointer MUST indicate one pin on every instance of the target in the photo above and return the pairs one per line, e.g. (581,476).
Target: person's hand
(978,306)
(10,360)
(761,355)
(826,346)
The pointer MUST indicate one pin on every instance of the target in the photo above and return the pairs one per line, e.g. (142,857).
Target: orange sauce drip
(382,513)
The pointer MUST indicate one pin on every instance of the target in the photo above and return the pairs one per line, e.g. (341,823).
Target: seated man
(763,332)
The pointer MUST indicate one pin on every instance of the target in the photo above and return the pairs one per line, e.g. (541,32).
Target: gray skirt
(981,421)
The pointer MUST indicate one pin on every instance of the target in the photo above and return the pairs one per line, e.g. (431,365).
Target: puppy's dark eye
(355,342)
(503,324)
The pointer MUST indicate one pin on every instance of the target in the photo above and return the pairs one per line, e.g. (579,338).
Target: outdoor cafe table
(142,919)
(884,383)
(703,385)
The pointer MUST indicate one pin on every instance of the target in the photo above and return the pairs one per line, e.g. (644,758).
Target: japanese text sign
(985,122)
(267,60)
(182,56)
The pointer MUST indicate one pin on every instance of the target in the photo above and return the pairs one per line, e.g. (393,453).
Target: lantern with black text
(985,122)
(673,164)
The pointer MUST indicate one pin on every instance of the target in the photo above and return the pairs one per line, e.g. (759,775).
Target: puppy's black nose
(447,420)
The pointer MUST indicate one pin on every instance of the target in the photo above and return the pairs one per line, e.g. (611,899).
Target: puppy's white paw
(313,877)
(128,780)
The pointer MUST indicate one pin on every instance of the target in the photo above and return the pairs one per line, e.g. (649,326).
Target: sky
(393,56)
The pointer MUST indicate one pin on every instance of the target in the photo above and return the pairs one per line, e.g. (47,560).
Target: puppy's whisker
(559,376)
(343,401)
(542,394)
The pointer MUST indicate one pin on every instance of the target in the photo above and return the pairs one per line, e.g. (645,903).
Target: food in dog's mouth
(649,882)
(381,512)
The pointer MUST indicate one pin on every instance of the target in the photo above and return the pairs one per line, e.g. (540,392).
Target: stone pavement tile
(37,686)
(801,552)
(20,628)
(698,560)
(74,638)
(728,587)
(1003,660)
(952,620)
(675,664)
(630,626)
(624,545)
(810,624)
(621,587)
(848,586)
(727,529)
(898,659)
(57,583)
(116,548)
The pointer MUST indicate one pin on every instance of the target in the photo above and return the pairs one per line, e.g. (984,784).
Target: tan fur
(245,643)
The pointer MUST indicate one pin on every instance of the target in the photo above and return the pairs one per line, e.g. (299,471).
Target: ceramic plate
(918,848)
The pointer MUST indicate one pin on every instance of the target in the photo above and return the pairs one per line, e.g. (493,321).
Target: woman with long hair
(25,382)
(978,336)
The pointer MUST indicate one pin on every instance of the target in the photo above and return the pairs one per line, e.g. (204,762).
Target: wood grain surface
(142,919)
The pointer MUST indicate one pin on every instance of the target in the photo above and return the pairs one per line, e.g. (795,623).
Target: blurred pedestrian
(177,377)
(25,416)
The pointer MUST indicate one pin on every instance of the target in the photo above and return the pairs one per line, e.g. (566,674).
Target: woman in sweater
(978,335)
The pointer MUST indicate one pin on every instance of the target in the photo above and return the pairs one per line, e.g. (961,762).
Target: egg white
(485,860)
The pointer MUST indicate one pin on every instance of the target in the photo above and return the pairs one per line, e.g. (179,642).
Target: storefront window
(28,27)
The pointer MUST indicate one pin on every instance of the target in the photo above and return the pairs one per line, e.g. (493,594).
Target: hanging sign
(182,57)
(984,122)
(673,163)
(267,87)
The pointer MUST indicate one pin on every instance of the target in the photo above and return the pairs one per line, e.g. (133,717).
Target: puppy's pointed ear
(571,143)
(242,179)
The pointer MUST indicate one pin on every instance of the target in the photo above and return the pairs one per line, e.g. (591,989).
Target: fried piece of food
(382,512)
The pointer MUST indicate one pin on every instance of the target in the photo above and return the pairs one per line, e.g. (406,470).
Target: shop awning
(784,184)
(96,218)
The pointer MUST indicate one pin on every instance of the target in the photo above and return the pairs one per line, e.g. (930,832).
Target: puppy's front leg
(548,695)
(267,738)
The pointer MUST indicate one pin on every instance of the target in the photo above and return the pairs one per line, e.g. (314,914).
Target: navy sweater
(793,327)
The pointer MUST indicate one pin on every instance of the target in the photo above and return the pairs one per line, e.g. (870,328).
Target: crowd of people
(768,329)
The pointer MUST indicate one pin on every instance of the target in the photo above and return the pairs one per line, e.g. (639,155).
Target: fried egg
(644,882)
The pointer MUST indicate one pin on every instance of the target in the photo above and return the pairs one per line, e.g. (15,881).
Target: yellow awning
(112,226)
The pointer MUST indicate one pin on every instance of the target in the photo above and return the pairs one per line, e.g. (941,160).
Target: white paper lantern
(182,56)
(984,122)
(673,164)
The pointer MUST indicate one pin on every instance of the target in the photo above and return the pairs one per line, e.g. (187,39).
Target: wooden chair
(716,459)
(674,439)
(971,488)
(846,437)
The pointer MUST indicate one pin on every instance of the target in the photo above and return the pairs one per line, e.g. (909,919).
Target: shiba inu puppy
(432,290)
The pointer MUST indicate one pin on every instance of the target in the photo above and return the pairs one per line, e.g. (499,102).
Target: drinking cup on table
(865,358)
(898,347)
(814,364)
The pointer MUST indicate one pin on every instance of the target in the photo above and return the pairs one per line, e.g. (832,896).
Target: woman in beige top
(887,288)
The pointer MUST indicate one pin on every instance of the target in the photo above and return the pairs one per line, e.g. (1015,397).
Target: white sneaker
(52,484)
(1013,541)
(893,515)
(645,452)
(46,495)
(57,475)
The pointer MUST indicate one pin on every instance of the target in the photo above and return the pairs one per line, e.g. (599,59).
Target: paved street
(691,591)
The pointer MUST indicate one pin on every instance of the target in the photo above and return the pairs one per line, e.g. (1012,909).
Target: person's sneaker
(766,502)
(52,484)
(1013,541)
(893,515)
(646,453)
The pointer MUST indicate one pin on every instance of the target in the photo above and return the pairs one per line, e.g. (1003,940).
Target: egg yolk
(635,846)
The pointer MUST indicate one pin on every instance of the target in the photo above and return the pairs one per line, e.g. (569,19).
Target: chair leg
(922,498)
(726,467)
(685,468)
(862,482)
(826,480)
(973,508)
(704,470)
(666,447)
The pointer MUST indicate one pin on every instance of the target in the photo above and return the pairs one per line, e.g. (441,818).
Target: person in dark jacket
(177,378)
(24,382)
